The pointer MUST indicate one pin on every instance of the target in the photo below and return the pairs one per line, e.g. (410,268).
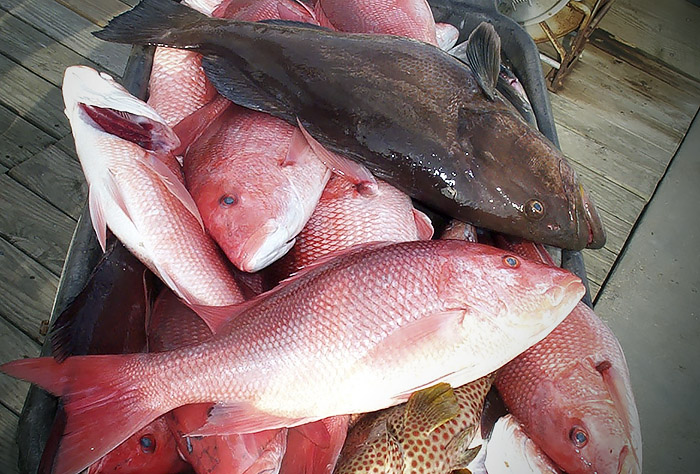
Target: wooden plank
(610,196)
(639,82)
(616,230)
(98,12)
(9,452)
(644,61)
(594,89)
(33,225)
(71,30)
(36,51)
(586,121)
(668,30)
(19,139)
(55,176)
(620,169)
(32,98)
(14,344)
(598,263)
(28,290)
(3,170)
(595,289)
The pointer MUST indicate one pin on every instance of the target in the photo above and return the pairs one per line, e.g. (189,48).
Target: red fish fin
(271,458)
(423,225)
(217,316)
(174,185)
(321,17)
(354,172)
(97,216)
(242,418)
(424,329)
(447,35)
(288,13)
(298,147)
(312,450)
(104,405)
(191,127)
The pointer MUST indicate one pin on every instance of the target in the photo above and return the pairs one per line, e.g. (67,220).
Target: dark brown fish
(415,116)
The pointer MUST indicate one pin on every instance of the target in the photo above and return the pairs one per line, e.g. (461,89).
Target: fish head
(582,424)
(525,300)
(525,182)
(151,449)
(254,223)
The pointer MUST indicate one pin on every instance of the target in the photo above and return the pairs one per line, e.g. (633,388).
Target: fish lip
(628,462)
(266,245)
(596,233)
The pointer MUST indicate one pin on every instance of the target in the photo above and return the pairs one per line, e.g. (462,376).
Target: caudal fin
(103,400)
(150,22)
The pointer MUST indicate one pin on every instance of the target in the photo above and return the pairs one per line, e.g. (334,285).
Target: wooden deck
(620,116)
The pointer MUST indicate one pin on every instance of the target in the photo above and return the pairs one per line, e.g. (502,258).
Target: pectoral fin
(431,407)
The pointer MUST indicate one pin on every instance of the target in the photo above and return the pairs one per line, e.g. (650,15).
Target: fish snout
(569,289)
(269,243)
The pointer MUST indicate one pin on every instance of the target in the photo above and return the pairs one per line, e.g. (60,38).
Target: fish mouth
(569,292)
(266,245)
(596,232)
(628,464)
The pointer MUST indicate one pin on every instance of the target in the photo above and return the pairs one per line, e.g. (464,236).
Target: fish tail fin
(150,22)
(103,401)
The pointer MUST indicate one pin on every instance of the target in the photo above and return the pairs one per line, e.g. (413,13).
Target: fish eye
(534,209)
(228,200)
(511,261)
(148,444)
(578,436)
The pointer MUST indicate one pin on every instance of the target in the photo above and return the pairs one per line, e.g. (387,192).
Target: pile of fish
(306,320)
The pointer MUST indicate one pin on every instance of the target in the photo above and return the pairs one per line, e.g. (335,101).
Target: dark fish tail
(151,22)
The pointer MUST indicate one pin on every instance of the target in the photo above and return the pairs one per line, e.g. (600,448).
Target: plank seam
(48,130)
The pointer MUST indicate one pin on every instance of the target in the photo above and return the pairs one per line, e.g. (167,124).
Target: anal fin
(242,418)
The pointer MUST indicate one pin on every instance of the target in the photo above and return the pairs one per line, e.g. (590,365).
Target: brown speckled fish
(429,434)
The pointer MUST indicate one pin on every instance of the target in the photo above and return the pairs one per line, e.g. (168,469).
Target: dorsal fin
(484,57)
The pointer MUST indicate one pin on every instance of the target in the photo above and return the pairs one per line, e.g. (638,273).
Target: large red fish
(413,314)
(136,189)
(174,325)
(572,391)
